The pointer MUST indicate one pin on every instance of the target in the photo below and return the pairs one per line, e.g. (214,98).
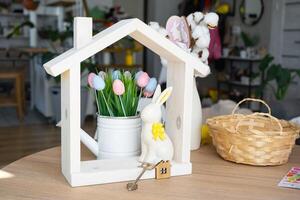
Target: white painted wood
(83,27)
(110,171)
(89,142)
(179,109)
(136,29)
(70,118)
(70,103)
(181,69)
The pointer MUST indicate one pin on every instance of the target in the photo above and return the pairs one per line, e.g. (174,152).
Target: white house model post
(70,102)
(179,108)
(181,70)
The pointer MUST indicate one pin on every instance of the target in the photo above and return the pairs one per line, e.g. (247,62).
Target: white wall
(135,8)
(159,11)
(262,29)
(276,47)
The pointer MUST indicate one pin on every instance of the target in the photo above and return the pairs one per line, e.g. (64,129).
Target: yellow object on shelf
(129,58)
(223,8)
(213,93)
(205,137)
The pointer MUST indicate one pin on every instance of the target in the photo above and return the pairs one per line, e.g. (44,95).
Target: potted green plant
(16,30)
(118,122)
(250,42)
(276,77)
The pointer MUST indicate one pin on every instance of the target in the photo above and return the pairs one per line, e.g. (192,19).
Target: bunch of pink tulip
(118,93)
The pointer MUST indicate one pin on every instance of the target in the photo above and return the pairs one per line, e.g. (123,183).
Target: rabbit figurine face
(156,145)
(151,113)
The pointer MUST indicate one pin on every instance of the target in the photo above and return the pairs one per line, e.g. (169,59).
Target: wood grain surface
(38,176)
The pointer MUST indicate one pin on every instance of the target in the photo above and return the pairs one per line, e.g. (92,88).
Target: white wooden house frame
(181,70)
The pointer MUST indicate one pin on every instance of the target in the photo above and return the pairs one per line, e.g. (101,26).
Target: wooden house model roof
(139,31)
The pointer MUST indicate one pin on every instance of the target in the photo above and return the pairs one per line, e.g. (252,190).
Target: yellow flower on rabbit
(158,131)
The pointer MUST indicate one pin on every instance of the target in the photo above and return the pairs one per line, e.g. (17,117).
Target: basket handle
(265,115)
(251,99)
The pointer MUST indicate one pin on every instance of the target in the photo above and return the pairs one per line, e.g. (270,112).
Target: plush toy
(156,145)
(200,25)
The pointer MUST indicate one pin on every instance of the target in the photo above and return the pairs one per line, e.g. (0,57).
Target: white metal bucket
(119,136)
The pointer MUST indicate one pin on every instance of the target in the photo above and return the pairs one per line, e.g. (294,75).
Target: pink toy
(185,32)
(143,80)
(102,74)
(118,87)
(90,79)
(178,31)
(148,94)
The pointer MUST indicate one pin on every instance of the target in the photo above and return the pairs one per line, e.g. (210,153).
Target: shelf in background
(292,2)
(15,37)
(13,15)
(291,29)
(238,83)
(7,101)
(63,3)
(122,50)
(120,66)
(290,56)
(237,58)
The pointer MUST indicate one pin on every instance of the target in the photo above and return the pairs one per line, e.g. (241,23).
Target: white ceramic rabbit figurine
(156,145)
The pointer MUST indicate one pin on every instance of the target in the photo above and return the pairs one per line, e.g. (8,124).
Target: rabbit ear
(164,96)
(156,93)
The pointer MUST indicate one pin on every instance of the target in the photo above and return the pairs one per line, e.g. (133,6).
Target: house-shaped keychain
(163,170)
(180,75)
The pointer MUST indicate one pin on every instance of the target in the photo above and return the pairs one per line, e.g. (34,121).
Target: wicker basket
(255,139)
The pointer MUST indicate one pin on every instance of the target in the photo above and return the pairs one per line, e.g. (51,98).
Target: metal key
(146,166)
(133,186)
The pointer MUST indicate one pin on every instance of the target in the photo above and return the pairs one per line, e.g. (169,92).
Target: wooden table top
(38,176)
